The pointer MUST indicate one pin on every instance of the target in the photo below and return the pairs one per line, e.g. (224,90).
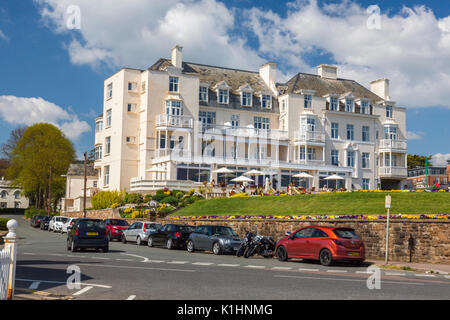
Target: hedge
(11,211)
(3,222)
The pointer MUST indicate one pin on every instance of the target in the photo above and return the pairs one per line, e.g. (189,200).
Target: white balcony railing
(392,144)
(310,136)
(137,184)
(273,134)
(165,120)
(393,172)
(310,162)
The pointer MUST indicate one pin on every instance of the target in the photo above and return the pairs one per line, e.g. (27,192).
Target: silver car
(55,224)
(138,232)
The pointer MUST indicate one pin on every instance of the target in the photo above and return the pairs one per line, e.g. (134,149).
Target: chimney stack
(381,88)
(177,56)
(327,71)
(268,72)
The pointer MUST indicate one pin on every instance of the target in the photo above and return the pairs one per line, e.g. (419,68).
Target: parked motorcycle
(245,243)
(260,245)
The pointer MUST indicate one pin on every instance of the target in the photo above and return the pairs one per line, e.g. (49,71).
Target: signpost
(388,207)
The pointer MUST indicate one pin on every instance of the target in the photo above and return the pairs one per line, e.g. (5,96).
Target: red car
(326,244)
(115,227)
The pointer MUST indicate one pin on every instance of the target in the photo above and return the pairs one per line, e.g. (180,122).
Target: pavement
(131,272)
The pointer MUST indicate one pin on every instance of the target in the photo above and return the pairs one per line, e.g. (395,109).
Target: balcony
(388,144)
(310,136)
(392,172)
(165,120)
(137,184)
(310,162)
(244,132)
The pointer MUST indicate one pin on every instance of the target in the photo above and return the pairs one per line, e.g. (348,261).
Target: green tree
(417,161)
(38,160)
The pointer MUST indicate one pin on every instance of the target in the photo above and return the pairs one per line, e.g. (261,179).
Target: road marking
(448,277)
(202,263)
(64,282)
(132,297)
(337,271)
(155,261)
(34,285)
(306,269)
(394,274)
(281,268)
(101,258)
(29,254)
(130,267)
(86,289)
(178,262)
(124,259)
(133,255)
(255,267)
(354,280)
(364,272)
(228,265)
(424,275)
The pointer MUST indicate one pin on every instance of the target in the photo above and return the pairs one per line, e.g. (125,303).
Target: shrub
(147,198)
(178,194)
(106,199)
(135,198)
(32,211)
(159,197)
(3,222)
(170,200)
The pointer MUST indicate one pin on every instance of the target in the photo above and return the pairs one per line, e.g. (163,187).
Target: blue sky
(40,58)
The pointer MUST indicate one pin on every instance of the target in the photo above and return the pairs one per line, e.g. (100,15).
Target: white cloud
(136,33)
(410,135)
(3,36)
(27,111)
(440,160)
(412,48)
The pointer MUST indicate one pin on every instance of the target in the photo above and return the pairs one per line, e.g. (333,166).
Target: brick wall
(432,240)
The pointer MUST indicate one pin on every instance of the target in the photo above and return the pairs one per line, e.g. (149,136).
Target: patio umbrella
(334,177)
(303,175)
(242,179)
(254,173)
(225,171)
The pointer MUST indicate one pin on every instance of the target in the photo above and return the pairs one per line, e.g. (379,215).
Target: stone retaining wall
(432,237)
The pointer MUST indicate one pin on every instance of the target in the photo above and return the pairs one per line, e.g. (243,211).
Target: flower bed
(318,217)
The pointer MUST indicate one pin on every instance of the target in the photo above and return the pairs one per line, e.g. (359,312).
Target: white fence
(8,263)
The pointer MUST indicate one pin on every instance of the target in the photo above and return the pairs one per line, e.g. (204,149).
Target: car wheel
(124,240)
(169,244)
(217,249)
(282,254)
(150,242)
(190,246)
(325,257)
(138,241)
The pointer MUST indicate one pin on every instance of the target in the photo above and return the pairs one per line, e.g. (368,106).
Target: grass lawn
(371,203)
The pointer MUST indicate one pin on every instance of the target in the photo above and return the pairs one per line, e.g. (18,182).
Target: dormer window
(349,105)
(203,94)
(246,99)
(389,112)
(308,101)
(266,101)
(334,104)
(365,108)
(223,96)
(173,84)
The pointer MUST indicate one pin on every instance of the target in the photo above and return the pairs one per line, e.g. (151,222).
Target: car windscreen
(185,228)
(345,233)
(88,224)
(225,231)
(121,223)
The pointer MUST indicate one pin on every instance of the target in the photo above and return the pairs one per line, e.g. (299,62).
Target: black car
(170,236)
(44,222)
(87,233)
(35,221)
(218,239)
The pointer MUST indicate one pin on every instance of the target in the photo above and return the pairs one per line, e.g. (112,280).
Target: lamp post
(426,170)
(85,183)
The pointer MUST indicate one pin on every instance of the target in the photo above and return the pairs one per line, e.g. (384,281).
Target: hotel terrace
(175,123)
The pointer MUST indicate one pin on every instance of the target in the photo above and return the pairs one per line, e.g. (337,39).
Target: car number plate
(353,253)
(92,233)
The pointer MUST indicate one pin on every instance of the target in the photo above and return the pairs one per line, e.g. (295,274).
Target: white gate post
(10,244)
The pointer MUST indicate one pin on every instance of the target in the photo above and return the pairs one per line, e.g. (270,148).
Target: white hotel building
(176,122)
